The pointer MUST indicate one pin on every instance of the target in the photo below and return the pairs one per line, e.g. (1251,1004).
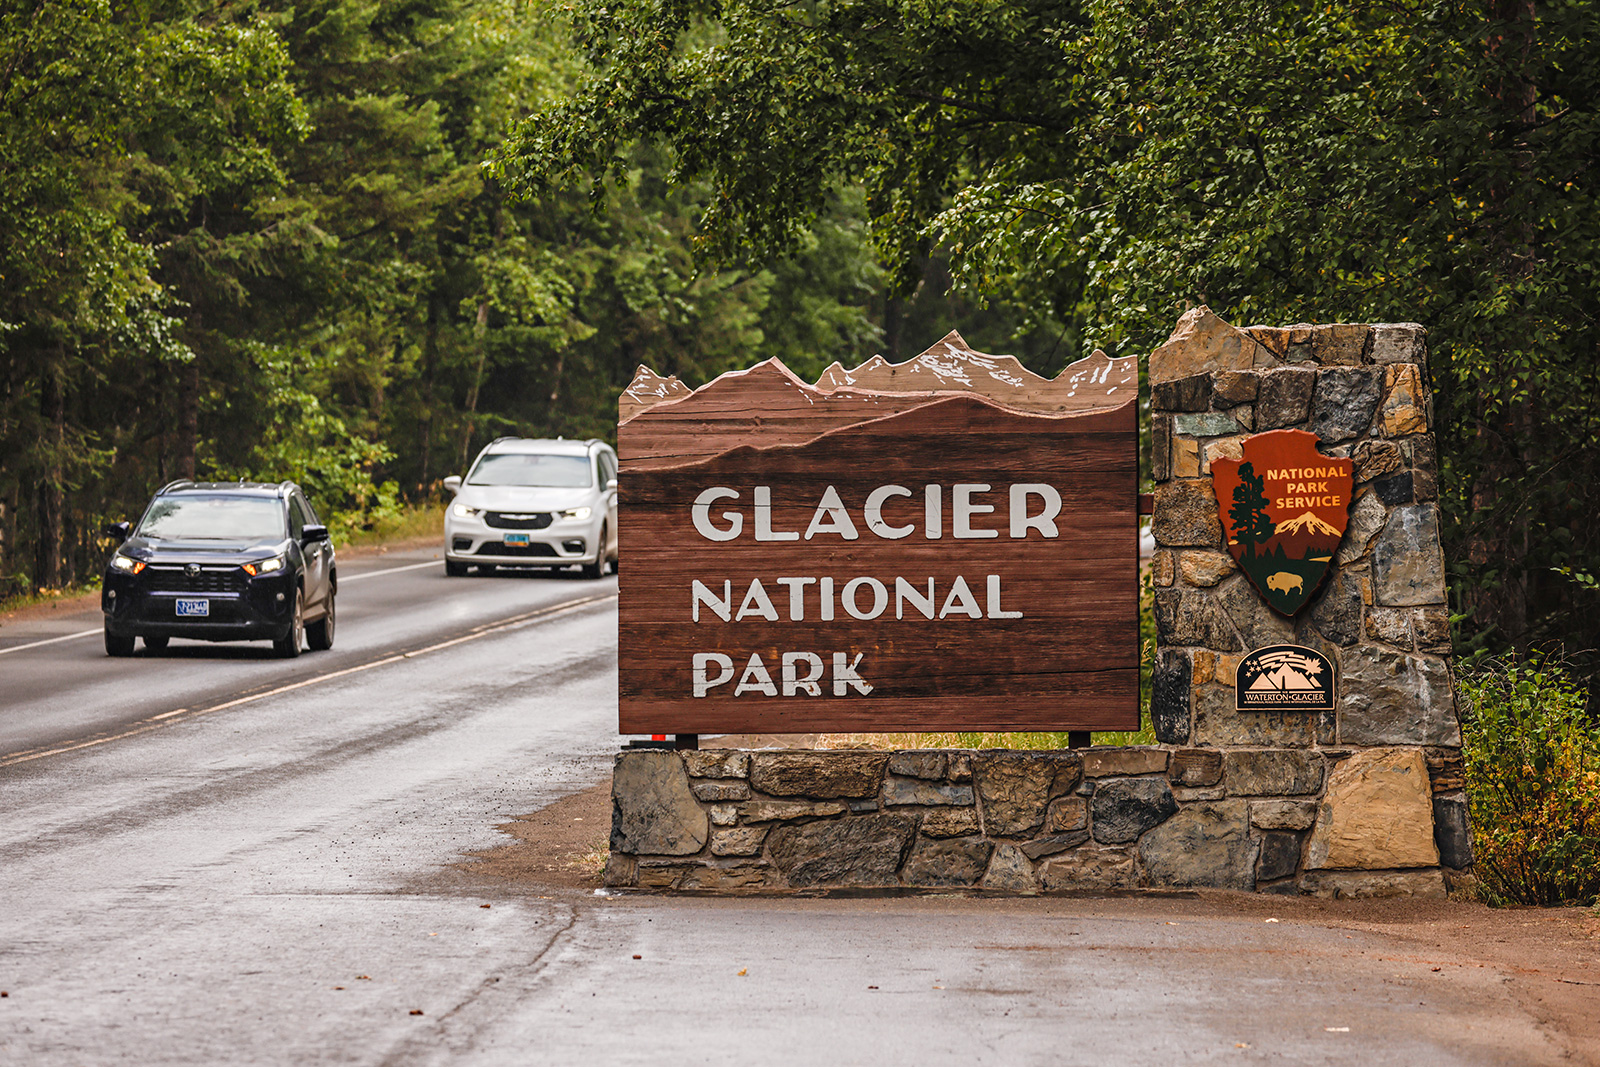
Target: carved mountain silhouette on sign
(1307,524)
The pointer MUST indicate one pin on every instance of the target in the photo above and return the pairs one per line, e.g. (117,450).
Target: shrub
(1532,755)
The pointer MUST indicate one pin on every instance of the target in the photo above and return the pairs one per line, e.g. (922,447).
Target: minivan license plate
(194,609)
(516,539)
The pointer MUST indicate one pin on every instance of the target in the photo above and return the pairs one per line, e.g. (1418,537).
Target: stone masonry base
(1329,823)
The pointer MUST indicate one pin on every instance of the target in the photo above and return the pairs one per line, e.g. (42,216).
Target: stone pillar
(1384,766)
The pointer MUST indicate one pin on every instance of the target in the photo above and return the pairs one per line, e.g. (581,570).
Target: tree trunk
(482,332)
(52,492)
(188,429)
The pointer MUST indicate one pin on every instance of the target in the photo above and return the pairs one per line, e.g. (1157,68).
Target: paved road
(216,857)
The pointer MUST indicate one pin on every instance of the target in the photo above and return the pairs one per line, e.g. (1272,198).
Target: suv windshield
(214,518)
(532,469)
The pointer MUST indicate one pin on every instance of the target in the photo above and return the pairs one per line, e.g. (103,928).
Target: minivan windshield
(214,518)
(531,469)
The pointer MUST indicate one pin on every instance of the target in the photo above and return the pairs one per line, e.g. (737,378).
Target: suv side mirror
(118,530)
(453,483)
(311,533)
(612,484)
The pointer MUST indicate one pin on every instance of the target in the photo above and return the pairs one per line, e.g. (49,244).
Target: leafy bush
(1532,754)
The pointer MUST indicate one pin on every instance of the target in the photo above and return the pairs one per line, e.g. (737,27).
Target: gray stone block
(1195,767)
(732,789)
(1122,809)
(1192,617)
(1367,516)
(1395,489)
(1016,787)
(1399,342)
(779,810)
(950,822)
(1090,870)
(927,763)
(957,861)
(1452,832)
(1272,772)
(1255,620)
(727,876)
(864,851)
(818,774)
(1010,871)
(1279,856)
(1161,447)
(1169,696)
(1363,885)
(1231,387)
(900,791)
(1218,725)
(1394,698)
(1407,563)
(1206,424)
(1284,398)
(1205,844)
(1336,611)
(1283,814)
(653,812)
(738,841)
(716,763)
(1344,403)
(1123,762)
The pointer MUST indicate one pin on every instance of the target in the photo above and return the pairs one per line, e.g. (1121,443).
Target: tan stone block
(1391,626)
(1067,814)
(1196,794)
(1202,342)
(1205,666)
(1163,568)
(1341,343)
(1223,448)
(1090,870)
(1377,814)
(1275,339)
(1358,885)
(1228,668)
(1403,411)
(1103,763)
(1185,458)
(950,822)
(1205,569)
(1283,814)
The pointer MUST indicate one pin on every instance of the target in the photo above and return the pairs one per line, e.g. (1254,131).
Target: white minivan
(534,503)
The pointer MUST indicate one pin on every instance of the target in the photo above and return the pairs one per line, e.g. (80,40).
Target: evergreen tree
(1251,525)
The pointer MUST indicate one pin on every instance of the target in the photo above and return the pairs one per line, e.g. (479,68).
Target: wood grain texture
(646,390)
(1069,663)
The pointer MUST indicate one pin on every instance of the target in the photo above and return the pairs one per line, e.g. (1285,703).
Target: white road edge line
(165,717)
(391,570)
(48,641)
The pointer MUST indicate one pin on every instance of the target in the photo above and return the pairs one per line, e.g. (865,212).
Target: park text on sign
(949,543)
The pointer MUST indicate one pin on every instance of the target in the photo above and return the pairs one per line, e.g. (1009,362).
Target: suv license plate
(516,539)
(194,609)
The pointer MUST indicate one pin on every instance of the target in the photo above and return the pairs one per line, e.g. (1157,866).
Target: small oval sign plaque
(1284,678)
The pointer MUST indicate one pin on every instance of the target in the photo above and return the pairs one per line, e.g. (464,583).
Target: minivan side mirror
(453,483)
(612,484)
(311,533)
(118,530)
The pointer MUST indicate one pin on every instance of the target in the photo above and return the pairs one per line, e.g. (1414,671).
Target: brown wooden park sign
(949,543)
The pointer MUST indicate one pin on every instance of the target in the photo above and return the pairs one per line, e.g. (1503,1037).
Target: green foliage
(1251,524)
(1532,753)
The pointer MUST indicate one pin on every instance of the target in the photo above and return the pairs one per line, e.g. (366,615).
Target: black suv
(219,561)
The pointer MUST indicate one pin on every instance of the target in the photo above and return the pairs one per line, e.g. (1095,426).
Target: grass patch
(32,598)
(409,523)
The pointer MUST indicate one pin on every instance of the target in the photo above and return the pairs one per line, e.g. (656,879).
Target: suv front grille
(502,520)
(168,579)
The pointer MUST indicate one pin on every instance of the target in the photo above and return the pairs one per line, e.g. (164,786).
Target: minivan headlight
(577,513)
(264,566)
(462,511)
(120,562)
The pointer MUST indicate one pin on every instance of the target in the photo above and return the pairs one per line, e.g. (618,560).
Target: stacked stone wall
(1364,800)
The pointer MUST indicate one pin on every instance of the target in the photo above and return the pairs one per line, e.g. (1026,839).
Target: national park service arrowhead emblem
(1284,507)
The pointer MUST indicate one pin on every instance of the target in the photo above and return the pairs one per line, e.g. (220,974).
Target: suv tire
(117,645)
(156,644)
(289,645)
(319,634)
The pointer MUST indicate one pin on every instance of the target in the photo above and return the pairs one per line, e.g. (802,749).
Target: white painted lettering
(1044,522)
(756,602)
(933,512)
(793,684)
(880,598)
(701,513)
(873,513)
(961,601)
(755,679)
(995,610)
(764,530)
(797,602)
(827,599)
(831,517)
(904,591)
(845,676)
(962,509)
(703,595)
(702,682)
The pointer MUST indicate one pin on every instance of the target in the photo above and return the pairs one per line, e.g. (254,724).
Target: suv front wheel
(115,645)
(319,634)
(289,645)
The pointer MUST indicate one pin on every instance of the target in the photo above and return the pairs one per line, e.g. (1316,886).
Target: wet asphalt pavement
(214,857)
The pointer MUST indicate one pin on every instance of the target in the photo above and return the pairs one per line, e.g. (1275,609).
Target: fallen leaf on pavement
(743,971)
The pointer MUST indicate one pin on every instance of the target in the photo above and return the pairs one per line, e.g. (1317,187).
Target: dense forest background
(349,241)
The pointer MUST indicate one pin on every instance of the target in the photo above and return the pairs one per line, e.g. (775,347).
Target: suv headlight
(119,562)
(462,511)
(264,566)
(577,513)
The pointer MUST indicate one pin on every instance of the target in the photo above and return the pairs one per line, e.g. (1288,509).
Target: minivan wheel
(596,569)
(117,645)
(319,634)
(290,644)
(452,569)
(156,644)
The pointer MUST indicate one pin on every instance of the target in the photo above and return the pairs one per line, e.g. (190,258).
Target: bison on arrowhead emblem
(1284,507)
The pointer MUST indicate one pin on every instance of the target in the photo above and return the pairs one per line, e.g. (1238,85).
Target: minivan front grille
(170,579)
(500,548)
(510,520)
